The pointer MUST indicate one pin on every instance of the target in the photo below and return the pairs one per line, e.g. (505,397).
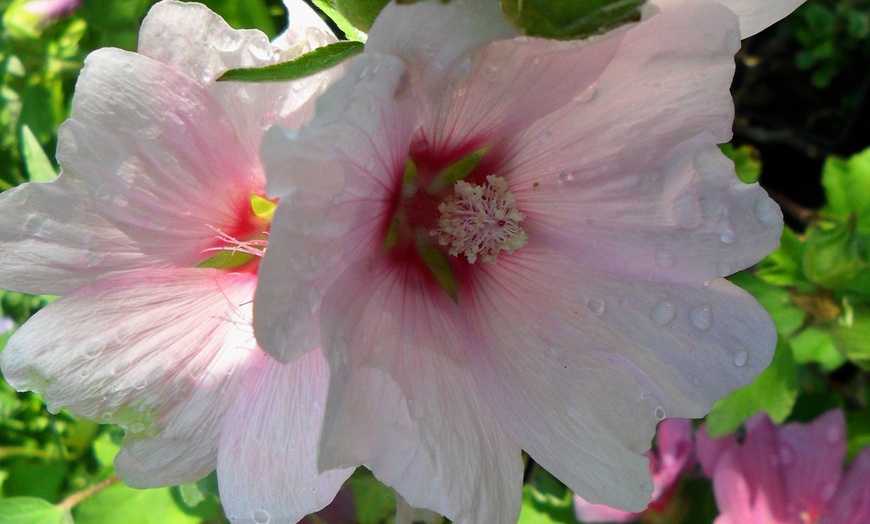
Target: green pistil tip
(263,207)
(455,172)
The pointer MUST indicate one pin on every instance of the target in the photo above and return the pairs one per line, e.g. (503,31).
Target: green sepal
(455,172)
(360,13)
(437,263)
(227,259)
(308,64)
(570,19)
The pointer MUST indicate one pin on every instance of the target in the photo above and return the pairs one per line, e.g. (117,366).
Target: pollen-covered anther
(480,221)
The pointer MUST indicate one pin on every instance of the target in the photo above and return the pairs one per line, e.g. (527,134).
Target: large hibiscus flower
(152,234)
(507,243)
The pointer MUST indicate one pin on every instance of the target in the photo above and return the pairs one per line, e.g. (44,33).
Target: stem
(75,498)
(6,452)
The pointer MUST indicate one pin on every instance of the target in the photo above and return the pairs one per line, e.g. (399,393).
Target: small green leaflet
(331,10)
(39,168)
(310,63)
(570,20)
(31,510)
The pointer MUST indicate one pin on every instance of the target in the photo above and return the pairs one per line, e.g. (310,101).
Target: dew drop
(33,224)
(724,269)
(665,259)
(767,211)
(160,223)
(587,94)
(543,137)
(741,358)
(686,212)
(726,236)
(94,348)
(102,194)
(702,317)
(660,413)
(595,306)
(140,384)
(84,373)
(490,72)
(663,312)
(566,176)
(135,427)
(93,258)
(262,516)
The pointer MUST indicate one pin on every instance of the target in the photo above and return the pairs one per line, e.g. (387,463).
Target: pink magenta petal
(754,15)
(269,442)
(658,350)
(403,403)
(314,244)
(131,352)
(851,505)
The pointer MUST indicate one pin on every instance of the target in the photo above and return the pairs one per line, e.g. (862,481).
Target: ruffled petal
(504,88)
(198,42)
(160,158)
(403,403)
(579,365)
(852,502)
(267,458)
(154,351)
(432,38)
(754,15)
(349,156)
(690,221)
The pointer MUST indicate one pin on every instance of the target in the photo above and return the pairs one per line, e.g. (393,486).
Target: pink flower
(787,475)
(507,243)
(51,9)
(672,455)
(152,234)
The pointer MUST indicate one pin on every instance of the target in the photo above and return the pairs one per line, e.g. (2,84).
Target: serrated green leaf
(29,510)
(39,167)
(747,162)
(310,63)
(774,391)
(784,267)
(120,503)
(851,333)
(835,256)
(329,8)
(570,20)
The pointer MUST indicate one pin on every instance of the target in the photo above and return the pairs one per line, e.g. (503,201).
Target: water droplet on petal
(702,317)
(724,269)
(587,94)
(262,516)
(102,193)
(595,306)
(727,236)
(94,348)
(741,358)
(160,223)
(566,176)
(660,413)
(490,72)
(93,258)
(767,211)
(33,224)
(140,384)
(686,212)
(543,137)
(665,259)
(84,372)
(663,312)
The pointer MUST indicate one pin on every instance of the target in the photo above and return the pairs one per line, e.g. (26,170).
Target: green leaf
(817,346)
(455,172)
(311,62)
(747,162)
(39,168)
(774,391)
(570,19)
(834,256)
(375,502)
(847,187)
(329,9)
(784,267)
(540,508)
(28,510)
(851,333)
(120,503)
(35,478)
(360,13)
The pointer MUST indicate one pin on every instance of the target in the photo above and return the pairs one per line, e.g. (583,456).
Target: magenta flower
(787,475)
(51,9)
(152,234)
(671,456)
(507,243)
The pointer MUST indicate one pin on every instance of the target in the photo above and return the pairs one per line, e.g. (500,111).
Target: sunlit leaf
(120,503)
(374,501)
(310,63)
(329,9)
(567,20)
(747,162)
(39,167)
(29,510)
(360,13)
(541,508)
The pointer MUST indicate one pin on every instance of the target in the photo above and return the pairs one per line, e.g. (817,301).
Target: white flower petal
(754,15)
(579,365)
(154,351)
(326,163)
(403,403)
(267,458)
